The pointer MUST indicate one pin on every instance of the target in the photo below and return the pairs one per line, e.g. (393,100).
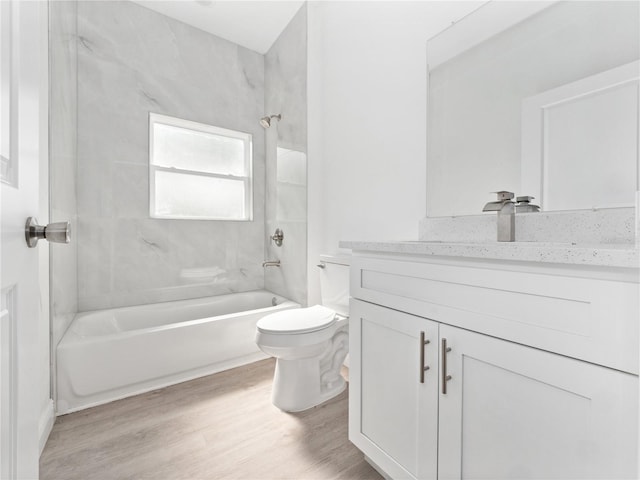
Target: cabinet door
(392,415)
(514,412)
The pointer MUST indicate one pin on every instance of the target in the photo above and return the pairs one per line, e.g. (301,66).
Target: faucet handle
(524,199)
(503,195)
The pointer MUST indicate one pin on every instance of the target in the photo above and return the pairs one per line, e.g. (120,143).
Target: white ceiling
(252,24)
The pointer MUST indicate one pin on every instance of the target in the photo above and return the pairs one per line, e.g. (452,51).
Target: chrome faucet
(506,216)
(275,263)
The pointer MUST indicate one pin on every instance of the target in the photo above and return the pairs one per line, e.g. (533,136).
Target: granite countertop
(609,255)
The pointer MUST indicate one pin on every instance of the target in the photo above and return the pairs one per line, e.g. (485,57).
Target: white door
(393,406)
(512,411)
(23,141)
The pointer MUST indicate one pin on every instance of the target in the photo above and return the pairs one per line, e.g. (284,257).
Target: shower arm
(266,121)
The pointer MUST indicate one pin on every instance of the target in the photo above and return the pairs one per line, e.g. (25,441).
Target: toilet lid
(297,320)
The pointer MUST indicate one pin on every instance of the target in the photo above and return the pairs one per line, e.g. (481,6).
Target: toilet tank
(334,282)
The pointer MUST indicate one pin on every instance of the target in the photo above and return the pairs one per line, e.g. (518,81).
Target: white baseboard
(45,425)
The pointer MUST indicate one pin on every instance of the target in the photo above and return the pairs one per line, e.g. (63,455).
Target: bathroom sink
(423,241)
(583,253)
(614,246)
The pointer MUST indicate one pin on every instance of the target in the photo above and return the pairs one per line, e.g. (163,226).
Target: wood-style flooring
(218,427)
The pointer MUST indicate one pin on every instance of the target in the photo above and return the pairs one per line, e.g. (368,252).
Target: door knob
(54,232)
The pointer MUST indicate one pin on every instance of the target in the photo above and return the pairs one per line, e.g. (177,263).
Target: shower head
(266,121)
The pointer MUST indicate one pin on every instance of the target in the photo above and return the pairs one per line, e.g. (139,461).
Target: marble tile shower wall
(286,147)
(132,61)
(63,158)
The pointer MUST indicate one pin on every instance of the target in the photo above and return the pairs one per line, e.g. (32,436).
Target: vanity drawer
(591,319)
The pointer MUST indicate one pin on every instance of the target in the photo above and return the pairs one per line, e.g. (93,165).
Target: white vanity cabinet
(513,412)
(510,411)
(393,416)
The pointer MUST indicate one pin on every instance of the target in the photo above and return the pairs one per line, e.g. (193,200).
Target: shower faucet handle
(277,237)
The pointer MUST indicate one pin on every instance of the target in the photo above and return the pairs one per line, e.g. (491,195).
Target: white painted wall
(367,119)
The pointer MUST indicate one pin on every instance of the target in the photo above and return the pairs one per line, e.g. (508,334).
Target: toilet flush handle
(321,265)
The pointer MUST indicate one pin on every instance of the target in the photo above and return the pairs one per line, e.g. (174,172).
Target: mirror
(537,98)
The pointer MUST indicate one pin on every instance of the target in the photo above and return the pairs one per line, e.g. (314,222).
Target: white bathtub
(111,354)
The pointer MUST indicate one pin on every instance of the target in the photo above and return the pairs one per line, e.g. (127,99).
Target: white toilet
(310,344)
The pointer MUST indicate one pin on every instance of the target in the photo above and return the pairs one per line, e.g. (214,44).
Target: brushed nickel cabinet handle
(423,368)
(445,377)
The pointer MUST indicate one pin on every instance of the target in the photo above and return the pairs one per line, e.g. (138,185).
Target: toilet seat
(297,321)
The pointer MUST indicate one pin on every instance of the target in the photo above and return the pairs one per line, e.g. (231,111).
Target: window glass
(188,196)
(192,150)
(198,171)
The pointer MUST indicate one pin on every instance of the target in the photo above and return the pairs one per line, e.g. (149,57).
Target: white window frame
(155,118)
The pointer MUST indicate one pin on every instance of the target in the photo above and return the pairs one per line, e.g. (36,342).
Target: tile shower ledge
(606,255)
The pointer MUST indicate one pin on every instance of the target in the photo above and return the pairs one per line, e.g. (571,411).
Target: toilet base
(297,385)
(307,373)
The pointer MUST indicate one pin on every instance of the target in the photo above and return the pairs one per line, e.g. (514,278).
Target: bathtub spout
(270,263)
